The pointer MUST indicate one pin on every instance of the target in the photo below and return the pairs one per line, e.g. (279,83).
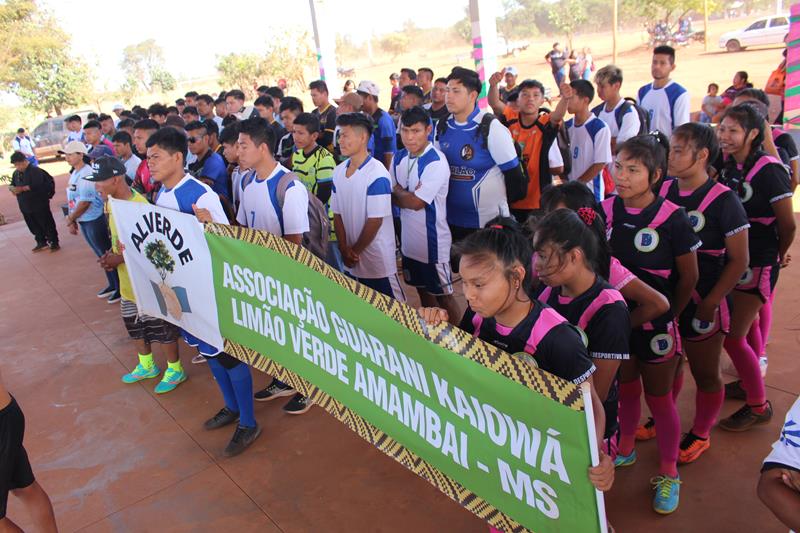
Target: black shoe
(223,418)
(242,438)
(105,293)
(745,418)
(734,391)
(114,298)
(298,405)
(274,390)
(38,248)
(55,247)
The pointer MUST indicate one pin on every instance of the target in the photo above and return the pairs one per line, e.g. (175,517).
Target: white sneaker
(762,363)
(198,359)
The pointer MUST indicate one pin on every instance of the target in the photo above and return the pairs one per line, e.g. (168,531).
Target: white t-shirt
(131,165)
(668,107)
(589,143)
(630,122)
(259,207)
(190,191)
(366,194)
(237,184)
(425,233)
(786,450)
(554,157)
(23,144)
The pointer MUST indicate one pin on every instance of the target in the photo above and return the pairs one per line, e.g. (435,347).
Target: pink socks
(630,409)
(677,385)
(746,362)
(765,323)
(668,435)
(707,406)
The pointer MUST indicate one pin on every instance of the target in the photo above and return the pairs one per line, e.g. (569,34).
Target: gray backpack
(315,240)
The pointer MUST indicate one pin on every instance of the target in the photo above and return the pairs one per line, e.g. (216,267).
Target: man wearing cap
(86,212)
(117,110)
(348,103)
(33,188)
(510,77)
(384,134)
(109,177)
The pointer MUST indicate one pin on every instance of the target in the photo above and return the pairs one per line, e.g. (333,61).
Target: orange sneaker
(692,447)
(646,431)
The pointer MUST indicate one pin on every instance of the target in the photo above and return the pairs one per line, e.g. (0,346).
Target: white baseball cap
(117,106)
(368,87)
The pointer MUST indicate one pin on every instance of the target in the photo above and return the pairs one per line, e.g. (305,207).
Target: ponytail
(585,229)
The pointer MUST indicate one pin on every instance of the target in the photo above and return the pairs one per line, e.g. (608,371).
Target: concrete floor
(116,457)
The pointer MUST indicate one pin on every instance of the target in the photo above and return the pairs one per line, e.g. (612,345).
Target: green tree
(60,81)
(157,253)
(463,28)
(567,16)
(395,44)
(664,10)
(241,71)
(143,64)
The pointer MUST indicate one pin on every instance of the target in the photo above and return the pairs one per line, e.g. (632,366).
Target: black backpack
(517,183)
(628,103)
(51,184)
(562,141)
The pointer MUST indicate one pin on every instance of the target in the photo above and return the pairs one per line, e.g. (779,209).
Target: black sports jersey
(766,183)
(554,343)
(715,214)
(786,146)
(327,123)
(648,241)
(600,312)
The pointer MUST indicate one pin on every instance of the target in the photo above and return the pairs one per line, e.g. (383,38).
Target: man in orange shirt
(531,127)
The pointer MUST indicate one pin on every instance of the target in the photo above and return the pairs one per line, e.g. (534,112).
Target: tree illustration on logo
(157,253)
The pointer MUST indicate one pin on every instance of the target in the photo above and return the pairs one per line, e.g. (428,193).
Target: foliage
(463,28)
(667,10)
(143,64)
(395,44)
(35,62)
(567,16)
(157,253)
(241,71)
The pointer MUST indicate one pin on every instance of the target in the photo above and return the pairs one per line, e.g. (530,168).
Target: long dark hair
(699,136)
(503,238)
(651,150)
(749,119)
(567,229)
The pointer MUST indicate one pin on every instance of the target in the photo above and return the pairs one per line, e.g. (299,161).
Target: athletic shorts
(203,347)
(15,468)
(695,330)
(656,342)
(390,286)
(147,328)
(759,280)
(434,278)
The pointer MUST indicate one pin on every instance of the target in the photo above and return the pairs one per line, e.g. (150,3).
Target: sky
(100,32)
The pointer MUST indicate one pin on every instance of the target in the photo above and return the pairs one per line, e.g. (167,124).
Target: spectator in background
(587,63)
(180,105)
(117,110)
(24,144)
(235,102)
(262,90)
(410,96)
(349,87)
(666,101)
(190,98)
(94,138)
(123,146)
(190,114)
(739,84)
(557,59)
(384,135)
(425,81)
(205,108)
(394,80)
(290,108)
(510,77)
(126,125)
(349,103)
(73,123)
(221,109)
(277,95)
(325,112)
(208,167)
(408,76)
(107,127)
(266,109)
(158,112)
(437,108)
(708,109)
(33,188)
(143,182)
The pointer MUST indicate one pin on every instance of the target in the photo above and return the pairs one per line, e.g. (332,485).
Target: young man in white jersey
(421,177)
(619,115)
(665,101)
(260,208)
(479,165)
(362,210)
(166,156)
(589,137)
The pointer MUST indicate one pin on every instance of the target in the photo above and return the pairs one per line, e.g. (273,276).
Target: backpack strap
(619,115)
(283,185)
(486,126)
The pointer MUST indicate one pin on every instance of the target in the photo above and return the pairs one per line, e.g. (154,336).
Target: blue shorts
(203,347)
(434,278)
(390,286)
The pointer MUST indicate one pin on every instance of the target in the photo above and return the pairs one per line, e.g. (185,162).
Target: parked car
(766,30)
(49,135)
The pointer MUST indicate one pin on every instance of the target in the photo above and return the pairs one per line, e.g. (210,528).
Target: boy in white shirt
(666,102)
(619,114)
(362,210)
(779,485)
(421,178)
(589,137)
(260,208)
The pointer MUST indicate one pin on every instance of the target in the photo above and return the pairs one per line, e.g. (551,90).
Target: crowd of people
(612,246)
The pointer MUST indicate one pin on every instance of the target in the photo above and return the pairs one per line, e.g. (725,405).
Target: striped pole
(791,102)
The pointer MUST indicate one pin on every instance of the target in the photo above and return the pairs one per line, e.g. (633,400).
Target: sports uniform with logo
(766,183)
(715,214)
(668,106)
(785,452)
(602,318)
(366,194)
(477,190)
(259,206)
(622,121)
(555,345)
(426,240)
(647,241)
(590,143)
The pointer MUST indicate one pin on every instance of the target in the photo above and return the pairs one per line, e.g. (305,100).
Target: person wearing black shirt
(437,108)
(557,59)
(325,112)
(33,188)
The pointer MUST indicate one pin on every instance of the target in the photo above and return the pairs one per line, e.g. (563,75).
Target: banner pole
(586,391)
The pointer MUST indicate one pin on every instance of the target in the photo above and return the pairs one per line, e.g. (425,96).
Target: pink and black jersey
(766,183)
(715,214)
(647,241)
(554,343)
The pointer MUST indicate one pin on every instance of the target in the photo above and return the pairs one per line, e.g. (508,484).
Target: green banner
(522,452)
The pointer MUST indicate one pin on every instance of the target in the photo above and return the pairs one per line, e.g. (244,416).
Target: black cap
(106,167)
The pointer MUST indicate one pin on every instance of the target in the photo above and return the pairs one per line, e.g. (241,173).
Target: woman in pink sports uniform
(495,270)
